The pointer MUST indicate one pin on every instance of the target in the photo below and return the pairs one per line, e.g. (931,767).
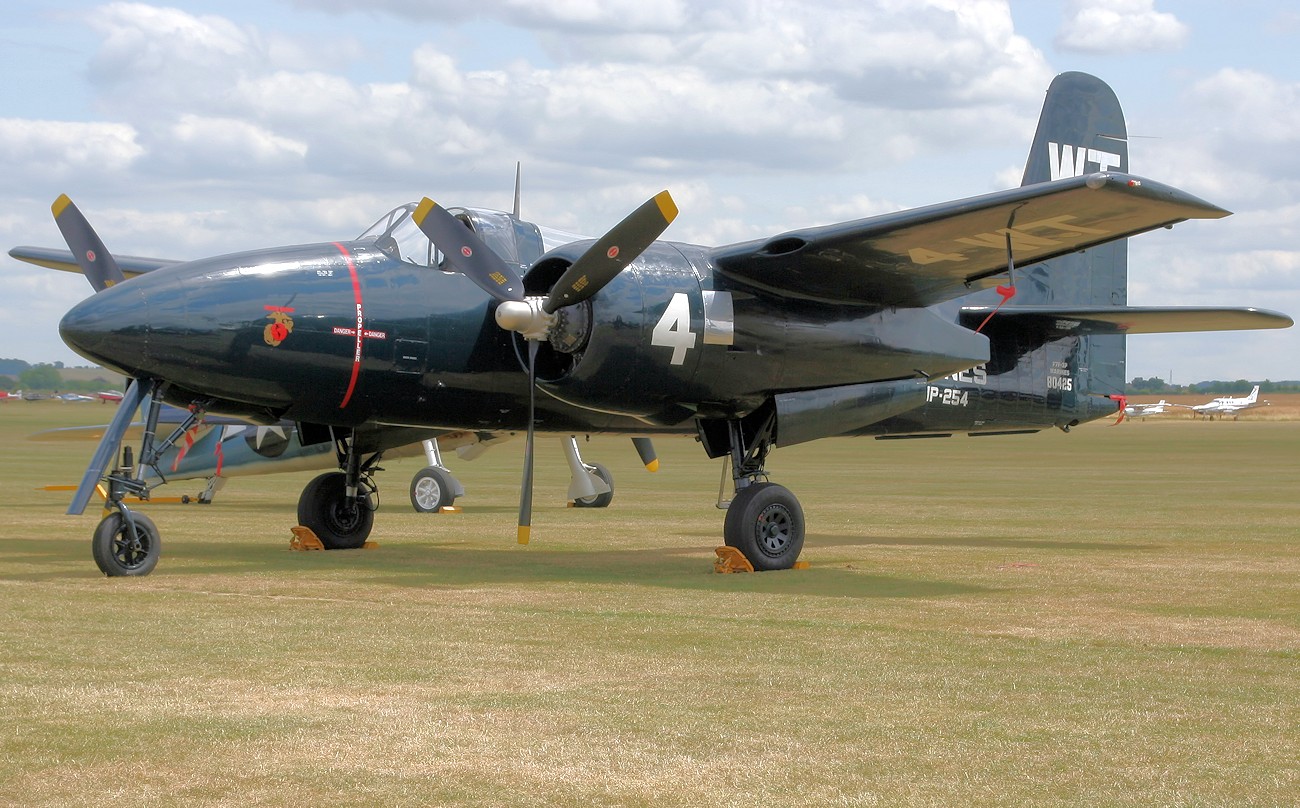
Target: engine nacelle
(636,335)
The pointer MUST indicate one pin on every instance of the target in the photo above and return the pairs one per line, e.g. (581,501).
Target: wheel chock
(451,509)
(304,539)
(730,560)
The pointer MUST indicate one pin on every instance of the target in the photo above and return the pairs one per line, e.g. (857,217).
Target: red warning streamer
(1007,293)
(1122,402)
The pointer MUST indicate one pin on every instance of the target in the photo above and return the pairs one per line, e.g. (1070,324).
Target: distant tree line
(1156,386)
(15,374)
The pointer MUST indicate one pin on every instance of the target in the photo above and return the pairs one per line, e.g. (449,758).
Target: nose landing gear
(127,543)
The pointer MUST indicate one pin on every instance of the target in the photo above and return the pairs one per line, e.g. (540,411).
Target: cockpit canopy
(517,242)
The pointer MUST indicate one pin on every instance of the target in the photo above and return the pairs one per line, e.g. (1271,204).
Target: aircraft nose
(110,328)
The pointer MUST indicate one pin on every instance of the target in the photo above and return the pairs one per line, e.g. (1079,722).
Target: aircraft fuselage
(345,334)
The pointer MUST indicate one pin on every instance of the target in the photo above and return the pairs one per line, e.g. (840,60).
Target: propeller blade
(467,252)
(526,488)
(96,262)
(646,450)
(611,252)
(107,448)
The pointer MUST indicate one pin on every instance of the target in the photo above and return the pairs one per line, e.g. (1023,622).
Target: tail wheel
(324,508)
(120,551)
(765,523)
(598,500)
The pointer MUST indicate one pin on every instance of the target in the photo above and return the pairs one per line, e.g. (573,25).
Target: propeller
(646,450)
(88,251)
(612,252)
(533,317)
(99,267)
(467,252)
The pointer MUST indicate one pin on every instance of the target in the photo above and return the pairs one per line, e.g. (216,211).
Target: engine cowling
(613,352)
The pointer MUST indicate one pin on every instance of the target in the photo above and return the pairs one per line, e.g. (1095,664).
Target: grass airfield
(1106,617)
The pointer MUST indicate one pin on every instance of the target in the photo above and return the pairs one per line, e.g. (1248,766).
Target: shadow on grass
(976,541)
(455,565)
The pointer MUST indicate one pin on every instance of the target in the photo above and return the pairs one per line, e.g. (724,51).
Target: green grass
(1106,617)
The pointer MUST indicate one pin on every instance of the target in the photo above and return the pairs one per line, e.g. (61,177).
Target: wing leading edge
(927,255)
(131,265)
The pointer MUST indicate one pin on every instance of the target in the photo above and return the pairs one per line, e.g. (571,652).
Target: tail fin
(1254,395)
(1081,131)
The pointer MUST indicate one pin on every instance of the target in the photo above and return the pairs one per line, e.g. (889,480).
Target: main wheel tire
(432,488)
(322,507)
(765,523)
(117,552)
(599,500)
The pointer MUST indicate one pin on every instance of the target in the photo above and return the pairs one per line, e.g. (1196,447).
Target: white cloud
(204,133)
(224,145)
(59,150)
(1119,26)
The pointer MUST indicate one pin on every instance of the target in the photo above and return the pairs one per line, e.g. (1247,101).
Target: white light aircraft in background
(1228,405)
(1161,407)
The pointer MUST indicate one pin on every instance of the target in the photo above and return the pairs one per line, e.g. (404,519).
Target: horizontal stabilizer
(1127,319)
(929,255)
(131,265)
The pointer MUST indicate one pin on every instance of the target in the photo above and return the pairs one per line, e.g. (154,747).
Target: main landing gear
(764,520)
(339,506)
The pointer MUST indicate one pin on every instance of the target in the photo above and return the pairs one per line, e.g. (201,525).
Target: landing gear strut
(339,506)
(764,520)
(590,485)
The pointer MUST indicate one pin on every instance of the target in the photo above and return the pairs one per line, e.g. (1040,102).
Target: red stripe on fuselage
(356,354)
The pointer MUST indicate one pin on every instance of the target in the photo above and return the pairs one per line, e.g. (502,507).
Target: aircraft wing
(1130,319)
(131,265)
(928,255)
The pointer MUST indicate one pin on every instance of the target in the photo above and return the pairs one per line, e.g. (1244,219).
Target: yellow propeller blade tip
(667,206)
(422,209)
(653,465)
(60,205)
(523,534)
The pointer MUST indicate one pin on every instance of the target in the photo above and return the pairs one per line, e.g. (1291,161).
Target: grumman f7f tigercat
(1000,313)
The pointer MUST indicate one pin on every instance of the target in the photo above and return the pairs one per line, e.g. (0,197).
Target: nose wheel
(126,543)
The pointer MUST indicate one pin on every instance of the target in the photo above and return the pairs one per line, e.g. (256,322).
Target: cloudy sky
(184,131)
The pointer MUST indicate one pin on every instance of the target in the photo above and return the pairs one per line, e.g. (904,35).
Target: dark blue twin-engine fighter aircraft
(1000,313)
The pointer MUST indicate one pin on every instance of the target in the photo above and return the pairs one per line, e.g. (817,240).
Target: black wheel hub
(130,551)
(773,529)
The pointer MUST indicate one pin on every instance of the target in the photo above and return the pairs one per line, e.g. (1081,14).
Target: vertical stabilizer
(1081,131)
